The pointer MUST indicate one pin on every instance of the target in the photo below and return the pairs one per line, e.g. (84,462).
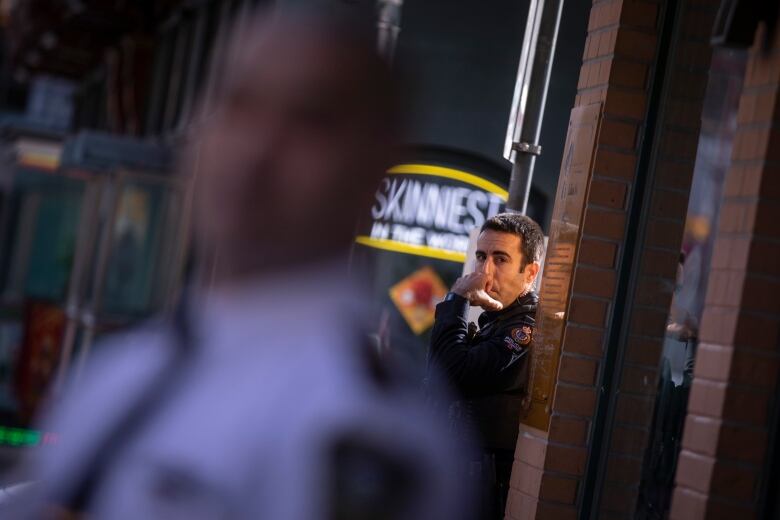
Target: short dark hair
(531,235)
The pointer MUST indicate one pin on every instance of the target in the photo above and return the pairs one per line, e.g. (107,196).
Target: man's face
(291,151)
(498,256)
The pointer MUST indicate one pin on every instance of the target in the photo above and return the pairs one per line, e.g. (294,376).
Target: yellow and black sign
(429,210)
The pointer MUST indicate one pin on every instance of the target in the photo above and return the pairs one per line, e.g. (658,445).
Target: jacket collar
(522,305)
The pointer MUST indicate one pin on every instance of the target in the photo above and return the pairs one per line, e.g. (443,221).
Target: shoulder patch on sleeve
(521,335)
(512,344)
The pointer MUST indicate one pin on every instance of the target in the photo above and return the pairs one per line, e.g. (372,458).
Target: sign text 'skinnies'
(418,212)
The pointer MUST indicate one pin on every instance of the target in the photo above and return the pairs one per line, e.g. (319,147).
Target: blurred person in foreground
(260,399)
(487,364)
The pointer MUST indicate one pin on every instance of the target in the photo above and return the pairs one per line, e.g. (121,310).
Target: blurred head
(509,249)
(290,149)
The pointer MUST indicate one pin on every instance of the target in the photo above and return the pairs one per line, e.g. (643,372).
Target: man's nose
(486,267)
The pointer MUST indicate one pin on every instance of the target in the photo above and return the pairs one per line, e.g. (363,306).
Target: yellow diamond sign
(416,297)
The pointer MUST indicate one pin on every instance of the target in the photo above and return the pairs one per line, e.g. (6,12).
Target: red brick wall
(726,433)
(618,61)
(669,187)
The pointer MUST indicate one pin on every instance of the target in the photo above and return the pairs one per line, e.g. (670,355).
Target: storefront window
(719,121)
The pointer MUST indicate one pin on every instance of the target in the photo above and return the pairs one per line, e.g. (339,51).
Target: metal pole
(388,26)
(533,80)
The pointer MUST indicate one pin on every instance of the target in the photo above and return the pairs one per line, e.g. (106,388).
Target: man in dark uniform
(487,365)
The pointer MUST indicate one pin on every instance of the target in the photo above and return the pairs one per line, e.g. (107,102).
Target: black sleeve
(485,368)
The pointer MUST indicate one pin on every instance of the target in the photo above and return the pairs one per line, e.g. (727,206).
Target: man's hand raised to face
(474,287)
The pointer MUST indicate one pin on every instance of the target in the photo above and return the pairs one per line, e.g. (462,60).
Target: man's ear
(531,270)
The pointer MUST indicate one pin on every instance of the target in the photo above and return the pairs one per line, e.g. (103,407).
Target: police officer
(487,364)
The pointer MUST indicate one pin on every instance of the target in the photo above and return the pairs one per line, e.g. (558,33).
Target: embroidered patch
(512,345)
(522,335)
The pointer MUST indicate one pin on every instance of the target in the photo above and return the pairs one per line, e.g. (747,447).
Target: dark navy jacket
(487,366)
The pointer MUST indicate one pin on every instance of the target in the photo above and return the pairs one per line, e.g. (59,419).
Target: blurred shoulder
(117,365)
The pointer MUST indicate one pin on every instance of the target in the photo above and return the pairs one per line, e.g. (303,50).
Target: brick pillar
(617,72)
(726,439)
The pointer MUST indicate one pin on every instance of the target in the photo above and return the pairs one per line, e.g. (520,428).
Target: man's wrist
(452,305)
(453,296)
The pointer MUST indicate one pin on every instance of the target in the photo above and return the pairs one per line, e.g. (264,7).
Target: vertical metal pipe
(388,24)
(520,96)
(533,80)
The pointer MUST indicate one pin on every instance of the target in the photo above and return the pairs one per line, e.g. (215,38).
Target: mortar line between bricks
(597,59)
(730,462)
(604,29)
(718,344)
(535,499)
(526,463)
(561,474)
(556,444)
(713,383)
(692,491)
(744,387)
(622,57)
(589,90)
